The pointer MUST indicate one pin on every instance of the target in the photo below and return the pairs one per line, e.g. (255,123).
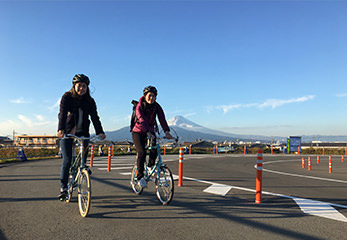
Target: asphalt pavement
(216,201)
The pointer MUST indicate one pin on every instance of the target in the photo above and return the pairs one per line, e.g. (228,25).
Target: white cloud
(341,95)
(25,120)
(227,108)
(273,103)
(279,102)
(39,117)
(27,125)
(55,106)
(19,101)
(7,127)
(189,114)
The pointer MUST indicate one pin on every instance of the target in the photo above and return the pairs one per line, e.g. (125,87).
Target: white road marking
(304,176)
(298,175)
(308,206)
(320,209)
(218,189)
(289,160)
(116,168)
(126,173)
(317,208)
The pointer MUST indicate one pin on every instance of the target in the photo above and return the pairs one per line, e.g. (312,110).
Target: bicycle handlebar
(150,140)
(176,139)
(66,136)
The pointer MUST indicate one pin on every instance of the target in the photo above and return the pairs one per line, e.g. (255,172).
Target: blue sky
(275,68)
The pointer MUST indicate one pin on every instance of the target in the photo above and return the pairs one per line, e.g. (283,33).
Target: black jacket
(68,115)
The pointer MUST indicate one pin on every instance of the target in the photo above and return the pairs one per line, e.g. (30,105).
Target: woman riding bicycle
(76,106)
(146,111)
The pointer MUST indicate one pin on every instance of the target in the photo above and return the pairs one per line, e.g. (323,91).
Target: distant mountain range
(189,131)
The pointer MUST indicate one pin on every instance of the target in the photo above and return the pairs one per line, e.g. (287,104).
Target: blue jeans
(66,149)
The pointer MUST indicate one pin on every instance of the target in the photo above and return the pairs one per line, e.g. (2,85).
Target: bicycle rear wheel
(133,181)
(165,185)
(84,193)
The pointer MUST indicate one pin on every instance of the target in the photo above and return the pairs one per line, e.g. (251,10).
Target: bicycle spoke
(134,183)
(164,185)
(84,195)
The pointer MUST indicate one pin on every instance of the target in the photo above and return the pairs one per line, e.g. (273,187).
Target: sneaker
(142,183)
(63,196)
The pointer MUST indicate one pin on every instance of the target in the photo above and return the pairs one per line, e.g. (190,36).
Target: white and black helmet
(80,78)
(150,89)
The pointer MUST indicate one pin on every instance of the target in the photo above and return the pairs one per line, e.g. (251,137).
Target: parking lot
(217,200)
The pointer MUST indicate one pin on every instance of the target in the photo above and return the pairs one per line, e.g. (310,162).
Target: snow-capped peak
(182,122)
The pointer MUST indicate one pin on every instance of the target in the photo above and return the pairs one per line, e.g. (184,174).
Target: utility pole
(14,132)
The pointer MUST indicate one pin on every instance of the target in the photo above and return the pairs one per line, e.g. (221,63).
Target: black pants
(140,141)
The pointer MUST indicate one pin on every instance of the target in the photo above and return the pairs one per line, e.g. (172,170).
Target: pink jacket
(145,119)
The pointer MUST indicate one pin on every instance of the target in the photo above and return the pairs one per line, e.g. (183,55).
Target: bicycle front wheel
(133,181)
(69,189)
(84,193)
(165,185)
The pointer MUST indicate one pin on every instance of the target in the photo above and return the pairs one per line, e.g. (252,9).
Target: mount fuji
(182,122)
(188,131)
(191,130)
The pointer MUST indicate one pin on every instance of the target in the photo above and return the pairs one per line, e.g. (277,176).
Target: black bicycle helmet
(150,89)
(80,78)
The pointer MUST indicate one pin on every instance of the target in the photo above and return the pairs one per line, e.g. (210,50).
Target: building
(317,144)
(39,141)
(5,141)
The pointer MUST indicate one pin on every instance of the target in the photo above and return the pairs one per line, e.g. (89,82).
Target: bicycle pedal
(63,199)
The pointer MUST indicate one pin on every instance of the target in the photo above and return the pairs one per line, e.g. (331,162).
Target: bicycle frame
(162,176)
(157,165)
(79,176)
(78,162)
